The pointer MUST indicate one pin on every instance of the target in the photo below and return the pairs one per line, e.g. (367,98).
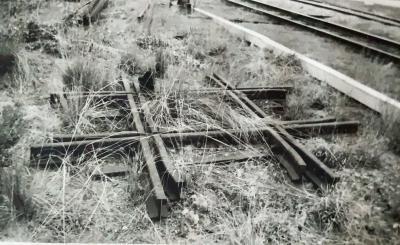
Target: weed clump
(328,215)
(83,75)
(306,97)
(288,61)
(150,42)
(355,158)
(41,37)
(130,64)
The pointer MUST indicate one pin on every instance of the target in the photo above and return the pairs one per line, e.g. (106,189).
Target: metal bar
(344,10)
(231,136)
(79,147)
(227,158)
(360,13)
(378,51)
(112,141)
(73,137)
(110,171)
(308,121)
(170,177)
(297,128)
(315,129)
(313,163)
(326,23)
(156,204)
(283,149)
(266,94)
(271,92)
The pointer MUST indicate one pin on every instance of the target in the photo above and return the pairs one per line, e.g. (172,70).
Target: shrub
(83,75)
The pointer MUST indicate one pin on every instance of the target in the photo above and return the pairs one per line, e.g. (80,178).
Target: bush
(130,64)
(83,75)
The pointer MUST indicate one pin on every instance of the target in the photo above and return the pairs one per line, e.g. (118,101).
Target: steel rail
(238,156)
(264,92)
(357,11)
(76,144)
(327,125)
(64,144)
(315,170)
(367,43)
(110,171)
(315,129)
(171,178)
(350,11)
(287,156)
(157,203)
(82,146)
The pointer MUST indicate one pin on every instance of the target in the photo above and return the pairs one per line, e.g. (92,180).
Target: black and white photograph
(200,122)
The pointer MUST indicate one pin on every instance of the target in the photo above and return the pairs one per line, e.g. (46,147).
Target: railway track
(369,44)
(351,11)
(277,139)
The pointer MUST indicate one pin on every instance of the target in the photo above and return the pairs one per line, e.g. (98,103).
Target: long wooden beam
(371,98)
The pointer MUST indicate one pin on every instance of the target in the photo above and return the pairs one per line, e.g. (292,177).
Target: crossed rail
(151,143)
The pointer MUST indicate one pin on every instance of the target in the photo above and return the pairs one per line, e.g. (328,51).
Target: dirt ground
(242,202)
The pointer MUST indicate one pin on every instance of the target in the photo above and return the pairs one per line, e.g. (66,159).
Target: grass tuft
(307,98)
(84,76)
(392,131)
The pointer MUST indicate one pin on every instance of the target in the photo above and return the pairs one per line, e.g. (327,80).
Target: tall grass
(14,201)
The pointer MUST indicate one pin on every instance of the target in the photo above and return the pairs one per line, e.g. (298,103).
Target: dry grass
(14,201)
(248,202)
(83,75)
(375,74)
(392,130)
(12,128)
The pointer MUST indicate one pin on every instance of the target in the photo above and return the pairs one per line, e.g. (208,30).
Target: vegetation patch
(8,58)
(84,75)
(14,201)
(41,37)
(12,127)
